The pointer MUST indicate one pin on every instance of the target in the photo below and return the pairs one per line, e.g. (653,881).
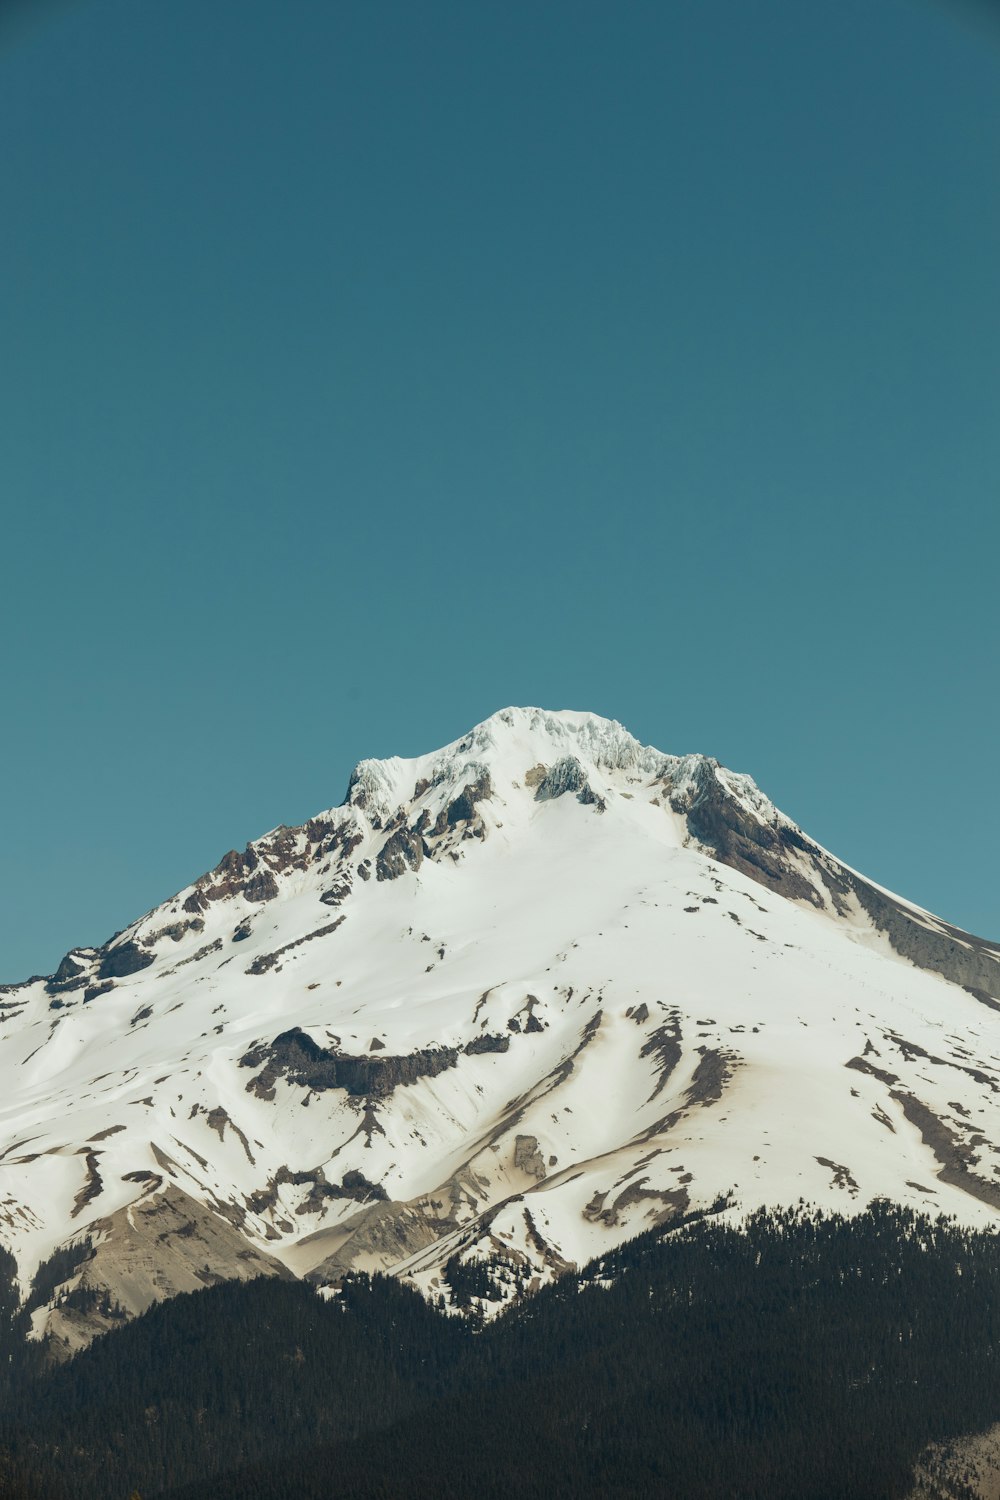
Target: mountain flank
(524,997)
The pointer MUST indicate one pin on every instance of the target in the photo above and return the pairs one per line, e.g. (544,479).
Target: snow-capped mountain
(530,994)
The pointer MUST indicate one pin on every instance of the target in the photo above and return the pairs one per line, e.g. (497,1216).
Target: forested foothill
(802,1354)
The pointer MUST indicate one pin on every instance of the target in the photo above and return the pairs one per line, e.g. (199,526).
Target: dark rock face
(67,970)
(261,887)
(488,1044)
(971,962)
(744,842)
(378,1076)
(70,975)
(356,1185)
(295,1056)
(463,808)
(756,849)
(127,958)
(93,991)
(403,851)
(338,892)
(230,875)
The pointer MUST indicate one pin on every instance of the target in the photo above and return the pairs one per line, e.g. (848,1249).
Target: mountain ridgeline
(528,996)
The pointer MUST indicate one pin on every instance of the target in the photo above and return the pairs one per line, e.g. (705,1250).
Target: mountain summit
(520,998)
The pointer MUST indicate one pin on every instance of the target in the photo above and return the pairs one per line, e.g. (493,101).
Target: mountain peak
(540,989)
(508,744)
(594,740)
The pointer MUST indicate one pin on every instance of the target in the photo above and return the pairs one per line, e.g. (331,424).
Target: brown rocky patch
(528,1157)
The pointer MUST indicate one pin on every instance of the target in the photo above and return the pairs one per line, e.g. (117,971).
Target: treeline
(801,1356)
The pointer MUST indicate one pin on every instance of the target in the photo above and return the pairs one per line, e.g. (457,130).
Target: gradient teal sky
(367,367)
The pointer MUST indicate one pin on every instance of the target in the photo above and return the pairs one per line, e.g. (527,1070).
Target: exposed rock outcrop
(354,1186)
(126,958)
(971,962)
(295,1057)
(261,887)
(528,1157)
(69,976)
(779,856)
(742,840)
(265,961)
(376,1237)
(487,1043)
(161,1245)
(567,775)
(463,807)
(252,872)
(402,851)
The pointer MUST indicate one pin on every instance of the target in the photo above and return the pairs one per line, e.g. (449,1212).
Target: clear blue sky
(367,367)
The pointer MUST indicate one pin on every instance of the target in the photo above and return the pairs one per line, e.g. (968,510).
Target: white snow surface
(666,1030)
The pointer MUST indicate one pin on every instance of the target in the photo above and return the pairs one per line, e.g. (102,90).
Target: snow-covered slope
(532,993)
